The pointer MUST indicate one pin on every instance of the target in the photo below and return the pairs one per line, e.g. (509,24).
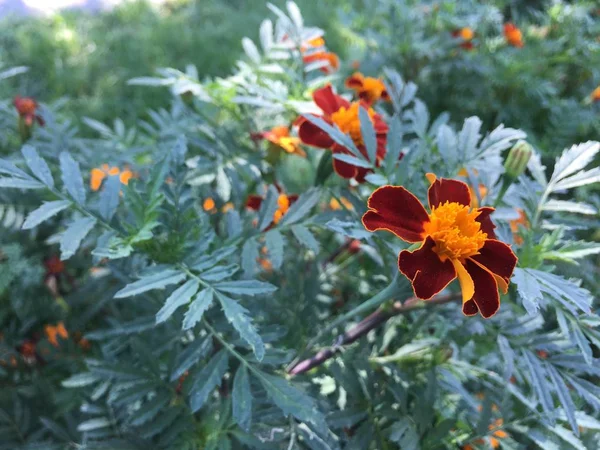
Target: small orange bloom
(227,207)
(280,136)
(457,241)
(332,60)
(368,89)
(497,433)
(209,205)
(27,107)
(516,224)
(312,44)
(466,34)
(595,95)
(266,265)
(98,175)
(336,205)
(54,331)
(339,111)
(284,202)
(513,35)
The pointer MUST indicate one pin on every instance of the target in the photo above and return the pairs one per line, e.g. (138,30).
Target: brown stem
(369,323)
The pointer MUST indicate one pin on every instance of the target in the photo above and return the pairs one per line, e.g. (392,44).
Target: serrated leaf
(350,229)
(207,380)
(71,177)
(507,354)
(109,197)
(301,207)
(305,237)
(38,165)
(564,396)
(574,159)
(44,212)
(237,316)
(156,281)
(267,208)
(150,409)
(190,356)
(569,206)
(8,168)
(353,160)
(335,133)
(218,273)
(71,238)
(179,297)
(529,290)
(292,401)
(583,344)
(367,132)
(246,287)
(242,398)
(249,257)
(539,383)
(199,306)
(275,245)
(19,183)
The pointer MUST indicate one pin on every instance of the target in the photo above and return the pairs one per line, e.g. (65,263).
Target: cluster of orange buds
(98,175)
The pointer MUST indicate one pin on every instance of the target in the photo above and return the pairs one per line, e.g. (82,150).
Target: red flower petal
(428,274)
(343,169)
(254,202)
(486,295)
(487,226)
(469,308)
(328,101)
(311,134)
(445,190)
(498,258)
(395,209)
(292,198)
(354,81)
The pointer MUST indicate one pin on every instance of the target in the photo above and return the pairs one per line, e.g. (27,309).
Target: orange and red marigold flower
(595,95)
(313,51)
(284,202)
(457,241)
(466,34)
(99,174)
(513,35)
(280,136)
(339,111)
(55,331)
(368,89)
(27,108)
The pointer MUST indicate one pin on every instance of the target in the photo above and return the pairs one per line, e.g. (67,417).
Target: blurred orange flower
(513,35)
(336,205)
(227,207)
(368,89)
(280,136)
(466,34)
(595,95)
(54,331)
(497,433)
(284,202)
(209,205)
(515,224)
(27,107)
(332,60)
(99,174)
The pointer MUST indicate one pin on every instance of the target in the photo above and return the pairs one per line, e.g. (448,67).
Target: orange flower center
(283,202)
(455,231)
(348,121)
(373,87)
(466,33)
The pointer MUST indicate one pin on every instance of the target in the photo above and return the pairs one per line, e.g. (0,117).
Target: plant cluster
(295,257)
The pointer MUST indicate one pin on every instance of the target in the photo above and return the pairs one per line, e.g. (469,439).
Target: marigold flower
(27,350)
(497,433)
(54,331)
(368,89)
(280,136)
(312,43)
(339,111)
(332,60)
(515,224)
(54,266)
(336,205)
(457,241)
(209,205)
(27,108)
(99,174)
(284,202)
(466,34)
(595,95)
(513,35)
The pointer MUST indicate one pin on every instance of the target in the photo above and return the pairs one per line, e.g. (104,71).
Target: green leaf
(94,424)
(571,251)
(539,384)
(242,398)
(207,380)
(71,177)
(249,256)
(305,237)
(350,229)
(237,315)
(569,206)
(19,183)
(564,396)
(267,208)
(44,212)
(150,409)
(155,281)
(335,133)
(38,165)
(8,168)
(246,287)
(109,197)
(218,273)
(573,160)
(190,356)
(301,207)
(199,306)
(71,238)
(275,244)
(353,160)
(529,289)
(367,132)
(393,144)
(179,297)
(80,380)
(292,401)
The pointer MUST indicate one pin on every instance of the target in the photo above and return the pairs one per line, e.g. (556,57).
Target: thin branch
(369,323)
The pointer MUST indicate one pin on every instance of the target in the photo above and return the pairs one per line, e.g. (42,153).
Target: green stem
(506,182)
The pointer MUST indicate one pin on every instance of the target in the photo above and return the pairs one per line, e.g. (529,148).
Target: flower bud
(518,157)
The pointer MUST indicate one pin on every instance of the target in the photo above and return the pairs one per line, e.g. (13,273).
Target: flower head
(54,331)
(368,89)
(280,137)
(314,50)
(27,108)
(513,35)
(345,115)
(99,174)
(496,433)
(466,35)
(516,224)
(595,95)
(457,241)
(284,202)
(209,205)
